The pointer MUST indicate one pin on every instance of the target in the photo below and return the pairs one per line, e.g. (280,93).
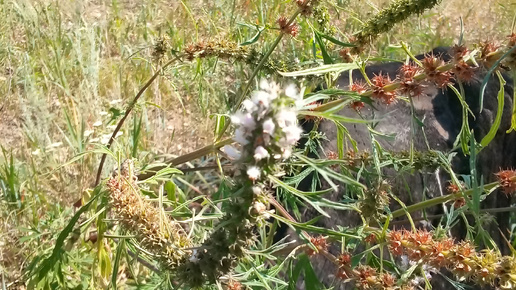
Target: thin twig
(127,112)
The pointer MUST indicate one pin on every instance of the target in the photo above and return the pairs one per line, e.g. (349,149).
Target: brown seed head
(345,54)
(507,180)
(430,66)
(379,92)
(408,85)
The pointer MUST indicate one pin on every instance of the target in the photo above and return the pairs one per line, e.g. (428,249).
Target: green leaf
(303,265)
(341,131)
(254,38)
(312,198)
(220,124)
(513,118)
(328,173)
(326,57)
(335,117)
(104,263)
(488,76)
(494,128)
(334,40)
(58,251)
(119,251)
(327,68)
(309,228)
(137,128)
(170,188)
(465,133)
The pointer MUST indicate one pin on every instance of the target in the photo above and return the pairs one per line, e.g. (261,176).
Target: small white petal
(286,153)
(268,126)
(286,118)
(259,207)
(256,190)
(260,153)
(96,124)
(232,152)
(240,137)
(55,145)
(291,91)
(264,84)
(248,121)
(248,105)
(253,172)
(194,258)
(261,98)
(236,119)
(103,113)
(274,90)
(292,134)
(105,138)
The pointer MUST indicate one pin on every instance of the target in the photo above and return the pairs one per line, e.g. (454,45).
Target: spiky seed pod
(461,69)
(375,200)
(431,64)
(292,29)
(408,85)
(507,180)
(345,54)
(160,48)
(306,6)
(320,244)
(379,92)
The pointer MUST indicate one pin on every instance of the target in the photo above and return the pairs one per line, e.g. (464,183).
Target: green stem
(127,112)
(185,158)
(431,217)
(441,199)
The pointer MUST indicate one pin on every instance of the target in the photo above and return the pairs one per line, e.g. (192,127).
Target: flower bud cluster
(288,28)
(157,234)
(365,277)
(412,81)
(396,12)
(487,267)
(267,129)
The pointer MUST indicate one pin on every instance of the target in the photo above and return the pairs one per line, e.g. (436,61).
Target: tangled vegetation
(136,200)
